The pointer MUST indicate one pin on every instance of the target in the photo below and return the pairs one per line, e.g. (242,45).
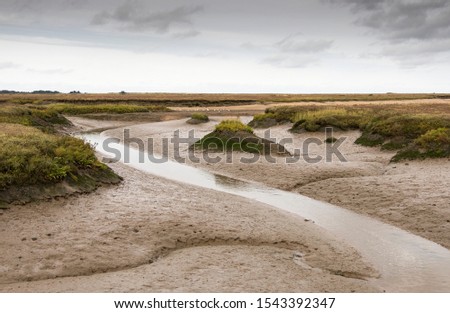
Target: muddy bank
(411,195)
(150,234)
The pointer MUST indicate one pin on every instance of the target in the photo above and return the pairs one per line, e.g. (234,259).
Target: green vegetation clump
(233,126)
(29,156)
(231,135)
(341,118)
(412,135)
(43,119)
(198,118)
(433,144)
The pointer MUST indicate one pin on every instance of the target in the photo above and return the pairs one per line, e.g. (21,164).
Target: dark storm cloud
(134,15)
(399,20)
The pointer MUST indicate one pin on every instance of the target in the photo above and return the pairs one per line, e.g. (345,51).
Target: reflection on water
(406,262)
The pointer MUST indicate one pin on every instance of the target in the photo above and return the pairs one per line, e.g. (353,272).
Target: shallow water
(407,263)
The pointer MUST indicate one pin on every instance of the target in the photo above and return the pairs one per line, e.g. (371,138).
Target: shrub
(200,117)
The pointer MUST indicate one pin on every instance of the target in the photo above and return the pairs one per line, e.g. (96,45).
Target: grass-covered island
(413,135)
(233,135)
(198,118)
(37,161)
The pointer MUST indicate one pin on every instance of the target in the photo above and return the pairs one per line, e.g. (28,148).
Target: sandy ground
(184,238)
(411,195)
(150,234)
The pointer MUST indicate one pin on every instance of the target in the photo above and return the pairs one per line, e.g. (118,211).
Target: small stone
(24,239)
(34,238)
(49,235)
(297,254)
(136,230)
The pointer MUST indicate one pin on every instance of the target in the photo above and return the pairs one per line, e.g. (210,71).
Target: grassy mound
(31,160)
(233,135)
(273,116)
(198,118)
(413,135)
(42,119)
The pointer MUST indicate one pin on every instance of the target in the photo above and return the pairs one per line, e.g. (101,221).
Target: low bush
(29,156)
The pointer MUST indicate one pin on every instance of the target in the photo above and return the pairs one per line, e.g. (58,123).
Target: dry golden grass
(185,98)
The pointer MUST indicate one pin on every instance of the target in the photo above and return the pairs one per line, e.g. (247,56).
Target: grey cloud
(293,51)
(34,8)
(8,65)
(135,16)
(297,44)
(290,61)
(399,20)
(186,34)
(419,54)
(358,4)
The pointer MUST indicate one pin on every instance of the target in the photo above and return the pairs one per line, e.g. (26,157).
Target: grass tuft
(233,126)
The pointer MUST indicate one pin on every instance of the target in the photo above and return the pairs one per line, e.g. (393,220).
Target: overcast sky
(285,46)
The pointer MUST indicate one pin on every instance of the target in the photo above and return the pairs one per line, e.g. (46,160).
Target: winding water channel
(407,263)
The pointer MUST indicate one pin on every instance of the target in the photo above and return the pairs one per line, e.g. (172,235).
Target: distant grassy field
(33,152)
(200,100)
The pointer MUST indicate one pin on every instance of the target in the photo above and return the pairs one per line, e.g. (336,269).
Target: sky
(245,46)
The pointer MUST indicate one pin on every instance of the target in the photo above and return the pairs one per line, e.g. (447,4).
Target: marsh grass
(231,135)
(199,100)
(198,118)
(341,118)
(233,126)
(79,109)
(412,134)
(23,115)
(30,156)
